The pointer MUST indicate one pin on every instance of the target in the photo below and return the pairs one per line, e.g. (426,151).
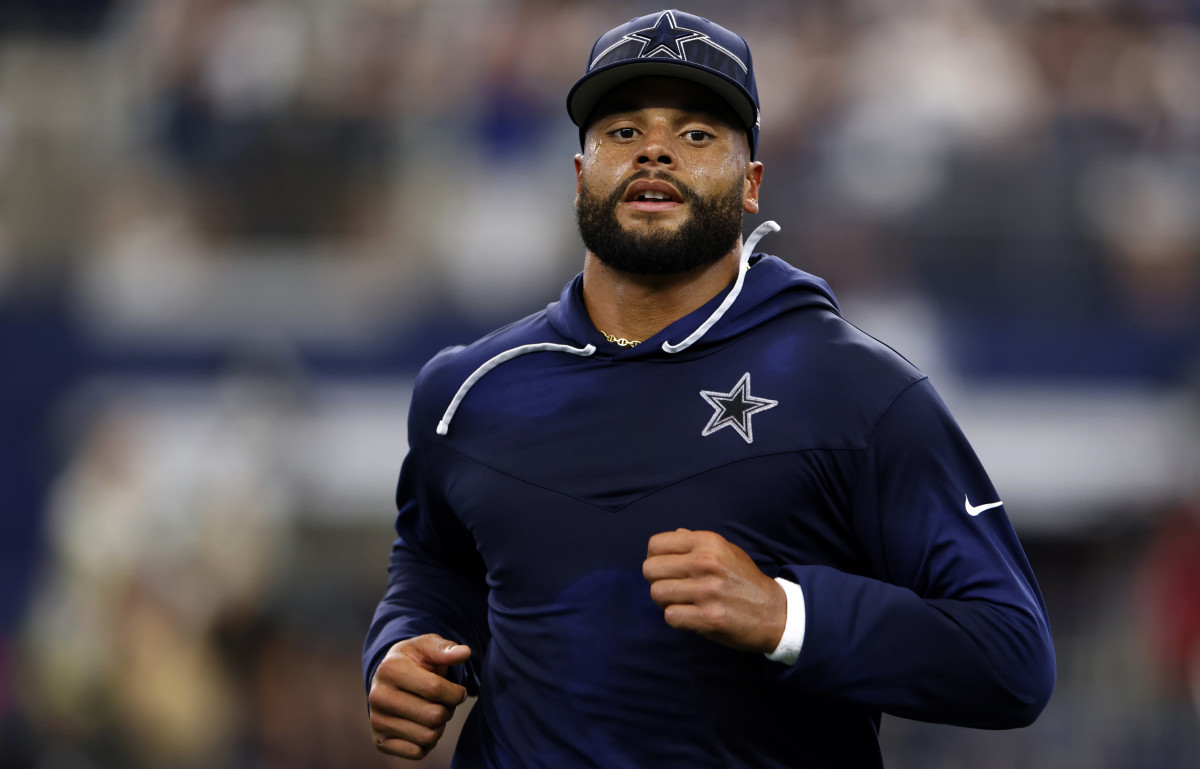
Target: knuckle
(379,709)
(713,615)
(391,669)
(673,617)
(710,588)
(426,690)
(437,714)
(427,738)
(414,742)
(379,679)
(402,749)
(708,561)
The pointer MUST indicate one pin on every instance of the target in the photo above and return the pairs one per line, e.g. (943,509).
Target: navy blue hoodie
(818,450)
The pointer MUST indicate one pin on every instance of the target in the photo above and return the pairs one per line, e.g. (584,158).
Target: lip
(642,186)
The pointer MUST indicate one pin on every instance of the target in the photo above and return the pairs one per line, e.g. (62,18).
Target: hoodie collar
(770,288)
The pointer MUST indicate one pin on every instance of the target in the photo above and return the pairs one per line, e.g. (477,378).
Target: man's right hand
(410,699)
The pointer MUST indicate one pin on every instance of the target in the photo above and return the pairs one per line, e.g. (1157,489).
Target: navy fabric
(818,450)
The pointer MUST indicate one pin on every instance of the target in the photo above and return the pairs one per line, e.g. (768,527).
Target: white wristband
(788,650)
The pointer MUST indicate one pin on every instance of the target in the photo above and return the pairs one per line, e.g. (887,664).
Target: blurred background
(232,230)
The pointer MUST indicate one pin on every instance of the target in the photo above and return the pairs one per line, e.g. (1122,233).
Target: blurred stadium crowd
(232,230)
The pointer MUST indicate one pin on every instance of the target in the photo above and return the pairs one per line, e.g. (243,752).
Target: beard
(709,233)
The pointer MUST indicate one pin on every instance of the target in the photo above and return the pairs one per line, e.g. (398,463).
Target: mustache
(685,192)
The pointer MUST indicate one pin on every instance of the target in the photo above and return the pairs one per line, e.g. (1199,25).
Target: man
(688,516)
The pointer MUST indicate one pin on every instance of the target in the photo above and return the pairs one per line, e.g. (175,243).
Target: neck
(637,307)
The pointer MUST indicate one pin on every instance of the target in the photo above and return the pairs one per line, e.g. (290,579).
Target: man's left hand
(707,584)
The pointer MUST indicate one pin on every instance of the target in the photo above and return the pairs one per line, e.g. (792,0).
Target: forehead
(663,93)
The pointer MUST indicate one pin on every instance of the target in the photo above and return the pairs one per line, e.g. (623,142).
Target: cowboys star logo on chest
(735,409)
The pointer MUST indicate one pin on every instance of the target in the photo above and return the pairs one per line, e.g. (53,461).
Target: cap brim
(591,89)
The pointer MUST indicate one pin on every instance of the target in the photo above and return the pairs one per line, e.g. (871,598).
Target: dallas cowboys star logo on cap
(665,37)
(734,409)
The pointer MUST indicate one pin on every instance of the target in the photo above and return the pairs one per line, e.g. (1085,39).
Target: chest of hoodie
(562,466)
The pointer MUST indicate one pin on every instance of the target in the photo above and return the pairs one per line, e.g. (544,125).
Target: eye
(624,133)
(697,135)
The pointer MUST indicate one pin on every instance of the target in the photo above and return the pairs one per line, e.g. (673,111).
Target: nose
(657,149)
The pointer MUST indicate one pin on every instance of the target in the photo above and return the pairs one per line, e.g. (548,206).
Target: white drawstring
(444,425)
(743,265)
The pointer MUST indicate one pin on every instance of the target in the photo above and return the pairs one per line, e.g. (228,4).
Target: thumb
(453,653)
(439,651)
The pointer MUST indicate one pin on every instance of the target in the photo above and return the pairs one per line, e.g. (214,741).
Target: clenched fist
(708,585)
(410,700)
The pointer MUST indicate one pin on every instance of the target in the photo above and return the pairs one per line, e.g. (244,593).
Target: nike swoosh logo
(974,510)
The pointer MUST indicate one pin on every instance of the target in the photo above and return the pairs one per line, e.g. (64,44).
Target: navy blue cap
(670,44)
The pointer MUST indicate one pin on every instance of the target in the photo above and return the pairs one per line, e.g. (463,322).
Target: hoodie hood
(765,288)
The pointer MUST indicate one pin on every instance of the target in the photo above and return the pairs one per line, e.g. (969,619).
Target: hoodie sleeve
(436,577)
(951,626)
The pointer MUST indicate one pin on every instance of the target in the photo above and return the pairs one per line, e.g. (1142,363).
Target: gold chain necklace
(620,341)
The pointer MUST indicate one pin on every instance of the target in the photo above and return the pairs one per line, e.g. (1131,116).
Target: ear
(578,177)
(754,172)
